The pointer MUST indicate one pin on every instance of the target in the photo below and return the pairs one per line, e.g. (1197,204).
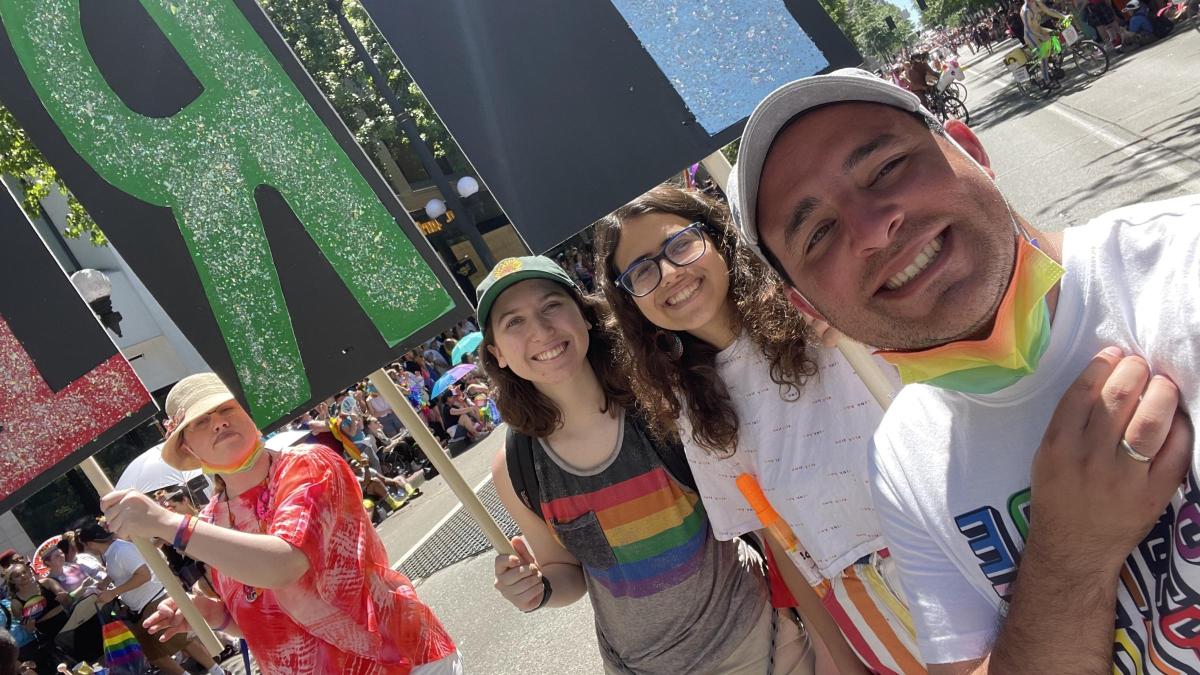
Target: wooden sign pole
(158,565)
(857,355)
(441,461)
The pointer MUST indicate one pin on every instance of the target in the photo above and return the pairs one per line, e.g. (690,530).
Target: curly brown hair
(531,412)
(761,312)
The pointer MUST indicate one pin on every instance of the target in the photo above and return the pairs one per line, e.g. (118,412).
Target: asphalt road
(1131,135)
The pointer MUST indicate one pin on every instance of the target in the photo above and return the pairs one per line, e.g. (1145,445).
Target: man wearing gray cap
(1053,373)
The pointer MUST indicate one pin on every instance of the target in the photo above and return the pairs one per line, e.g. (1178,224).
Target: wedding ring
(1134,454)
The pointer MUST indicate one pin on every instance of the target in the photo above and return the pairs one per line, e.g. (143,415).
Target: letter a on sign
(65,390)
(210,159)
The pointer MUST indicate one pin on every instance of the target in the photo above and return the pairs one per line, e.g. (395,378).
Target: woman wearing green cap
(605,507)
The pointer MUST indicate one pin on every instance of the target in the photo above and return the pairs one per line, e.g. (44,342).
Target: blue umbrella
(453,375)
(468,344)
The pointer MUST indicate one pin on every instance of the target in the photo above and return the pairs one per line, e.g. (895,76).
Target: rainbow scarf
(122,653)
(238,465)
(1012,351)
(335,428)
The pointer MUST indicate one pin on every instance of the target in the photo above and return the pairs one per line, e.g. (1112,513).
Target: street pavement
(491,634)
(1131,135)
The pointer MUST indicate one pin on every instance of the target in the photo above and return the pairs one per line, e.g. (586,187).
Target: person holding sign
(606,508)
(1037,477)
(768,417)
(298,568)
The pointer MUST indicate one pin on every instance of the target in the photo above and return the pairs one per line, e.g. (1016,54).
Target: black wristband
(546,591)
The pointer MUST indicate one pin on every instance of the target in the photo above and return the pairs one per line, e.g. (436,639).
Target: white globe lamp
(435,208)
(467,186)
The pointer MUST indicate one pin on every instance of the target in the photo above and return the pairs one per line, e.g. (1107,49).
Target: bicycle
(945,105)
(1035,80)
(959,90)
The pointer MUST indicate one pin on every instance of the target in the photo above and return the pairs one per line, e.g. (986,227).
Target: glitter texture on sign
(723,56)
(249,127)
(31,442)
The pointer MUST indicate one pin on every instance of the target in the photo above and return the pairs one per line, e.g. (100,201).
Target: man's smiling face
(890,232)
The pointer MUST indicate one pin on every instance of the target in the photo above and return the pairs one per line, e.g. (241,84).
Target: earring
(669,343)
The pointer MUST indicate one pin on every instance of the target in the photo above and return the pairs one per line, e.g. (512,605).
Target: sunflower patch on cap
(512,270)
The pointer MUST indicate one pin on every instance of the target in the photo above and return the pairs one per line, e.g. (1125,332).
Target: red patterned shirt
(350,612)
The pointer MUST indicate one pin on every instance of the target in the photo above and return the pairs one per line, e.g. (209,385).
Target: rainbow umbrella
(453,375)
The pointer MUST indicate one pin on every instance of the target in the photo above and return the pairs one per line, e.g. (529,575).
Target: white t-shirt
(122,560)
(379,406)
(809,456)
(950,471)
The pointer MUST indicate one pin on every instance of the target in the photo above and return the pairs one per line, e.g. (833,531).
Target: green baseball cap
(510,271)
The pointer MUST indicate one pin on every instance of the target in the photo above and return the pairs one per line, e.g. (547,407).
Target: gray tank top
(668,596)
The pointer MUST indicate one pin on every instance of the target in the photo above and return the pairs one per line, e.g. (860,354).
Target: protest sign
(65,390)
(570,109)
(211,160)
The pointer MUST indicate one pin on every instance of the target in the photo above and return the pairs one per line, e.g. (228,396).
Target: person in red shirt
(298,568)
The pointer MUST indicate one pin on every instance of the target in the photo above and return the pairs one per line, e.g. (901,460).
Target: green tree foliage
(20,158)
(314,35)
(952,13)
(867,20)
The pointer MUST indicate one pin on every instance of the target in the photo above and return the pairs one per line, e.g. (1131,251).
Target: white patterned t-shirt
(809,456)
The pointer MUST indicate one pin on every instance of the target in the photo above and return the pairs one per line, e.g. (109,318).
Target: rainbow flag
(122,653)
(656,532)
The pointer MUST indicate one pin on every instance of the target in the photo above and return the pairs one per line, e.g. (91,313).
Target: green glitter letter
(249,127)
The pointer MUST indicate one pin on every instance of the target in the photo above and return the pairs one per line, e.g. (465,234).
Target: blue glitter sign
(723,56)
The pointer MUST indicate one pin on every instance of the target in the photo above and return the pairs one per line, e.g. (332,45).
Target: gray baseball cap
(777,109)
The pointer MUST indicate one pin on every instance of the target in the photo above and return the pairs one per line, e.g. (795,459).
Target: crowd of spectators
(53,608)
(53,611)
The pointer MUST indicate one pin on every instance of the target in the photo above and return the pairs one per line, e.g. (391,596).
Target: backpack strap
(518,456)
(670,452)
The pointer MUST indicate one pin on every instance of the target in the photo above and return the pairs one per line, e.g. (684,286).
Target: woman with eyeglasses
(607,509)
(718,353)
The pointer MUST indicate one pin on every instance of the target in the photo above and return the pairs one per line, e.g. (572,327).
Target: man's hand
(129,513)
(1091,501)
(106,596)
(518,578)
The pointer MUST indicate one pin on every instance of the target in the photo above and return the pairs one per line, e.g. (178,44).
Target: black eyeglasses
(683,248)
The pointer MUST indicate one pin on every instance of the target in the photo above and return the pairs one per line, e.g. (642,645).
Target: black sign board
(65,390)
(570,109)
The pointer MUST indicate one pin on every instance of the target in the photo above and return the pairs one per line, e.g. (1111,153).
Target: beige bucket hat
(190,398)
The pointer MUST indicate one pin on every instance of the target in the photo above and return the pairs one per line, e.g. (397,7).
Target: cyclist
(1033,12)
(918,74)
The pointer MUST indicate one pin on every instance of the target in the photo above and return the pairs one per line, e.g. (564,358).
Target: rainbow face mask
(1016,344)
(242,465)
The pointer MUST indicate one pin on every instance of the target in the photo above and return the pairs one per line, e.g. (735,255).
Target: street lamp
(467,186)
(466,224)
(435,208)
(96,289)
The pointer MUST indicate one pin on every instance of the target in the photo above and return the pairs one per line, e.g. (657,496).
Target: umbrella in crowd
(453,375)
(285,439)
(468,344)
(148,472)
